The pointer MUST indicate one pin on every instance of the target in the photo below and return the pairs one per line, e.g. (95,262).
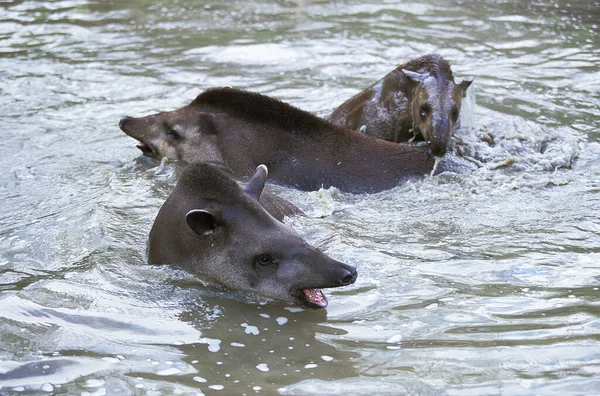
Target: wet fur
(386,109)
(242,130)
(210,226)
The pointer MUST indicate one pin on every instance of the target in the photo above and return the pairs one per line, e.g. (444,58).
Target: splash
(435,164)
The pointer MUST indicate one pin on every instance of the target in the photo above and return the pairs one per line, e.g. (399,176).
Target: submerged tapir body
(419,99)
(241,130)
(210,226)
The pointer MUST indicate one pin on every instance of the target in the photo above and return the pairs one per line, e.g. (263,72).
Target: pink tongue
(316,296)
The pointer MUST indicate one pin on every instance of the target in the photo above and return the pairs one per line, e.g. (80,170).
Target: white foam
(169,371)
(250,329)
(262,367)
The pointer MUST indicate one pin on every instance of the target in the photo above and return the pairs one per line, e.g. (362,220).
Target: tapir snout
(123,120)
(440,137)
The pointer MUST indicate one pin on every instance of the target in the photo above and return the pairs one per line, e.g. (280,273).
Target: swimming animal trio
(211,226)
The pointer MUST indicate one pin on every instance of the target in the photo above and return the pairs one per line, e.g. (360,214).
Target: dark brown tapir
(240,130)
(210,226)
(417,100)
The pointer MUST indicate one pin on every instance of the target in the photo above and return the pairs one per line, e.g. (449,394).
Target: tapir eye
(265,260)
(172,133)
(454,113)
(425,110)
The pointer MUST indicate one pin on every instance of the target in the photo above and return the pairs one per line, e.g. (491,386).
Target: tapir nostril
(122,121)
(350,278)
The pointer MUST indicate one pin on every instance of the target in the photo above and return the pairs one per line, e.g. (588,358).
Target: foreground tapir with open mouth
(241,129)
(210,226)
(419,100)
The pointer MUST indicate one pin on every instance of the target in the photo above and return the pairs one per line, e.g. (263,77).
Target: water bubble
(394,339)
(263,367)
(94,383)
(250,329)
(214,345)
(169,371)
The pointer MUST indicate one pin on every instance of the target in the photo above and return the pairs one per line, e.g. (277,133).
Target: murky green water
(479,283)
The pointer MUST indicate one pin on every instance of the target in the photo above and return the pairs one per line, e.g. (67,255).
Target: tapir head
(435,106)
(185,134)
(211,226)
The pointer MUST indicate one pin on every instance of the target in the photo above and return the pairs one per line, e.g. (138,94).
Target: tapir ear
(416,77)
(203,222)
(464,83)
(206,123)
(257,183)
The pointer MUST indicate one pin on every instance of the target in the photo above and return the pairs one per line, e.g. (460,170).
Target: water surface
(478,283)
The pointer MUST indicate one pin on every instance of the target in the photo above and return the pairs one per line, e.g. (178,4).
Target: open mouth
(146,149)
(314,298)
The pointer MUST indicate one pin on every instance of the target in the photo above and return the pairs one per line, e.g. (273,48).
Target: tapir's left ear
(257,183)
(203,222)
(464,83)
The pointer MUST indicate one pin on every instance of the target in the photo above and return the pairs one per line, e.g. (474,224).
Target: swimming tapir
(210,226)
(419,99)
(241,129)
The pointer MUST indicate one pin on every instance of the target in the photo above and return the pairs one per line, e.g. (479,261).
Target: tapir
(418,100)
(211,226)
(239,130)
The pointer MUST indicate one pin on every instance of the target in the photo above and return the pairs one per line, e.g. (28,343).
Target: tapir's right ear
(257,183)
(416,77)
(203,222)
